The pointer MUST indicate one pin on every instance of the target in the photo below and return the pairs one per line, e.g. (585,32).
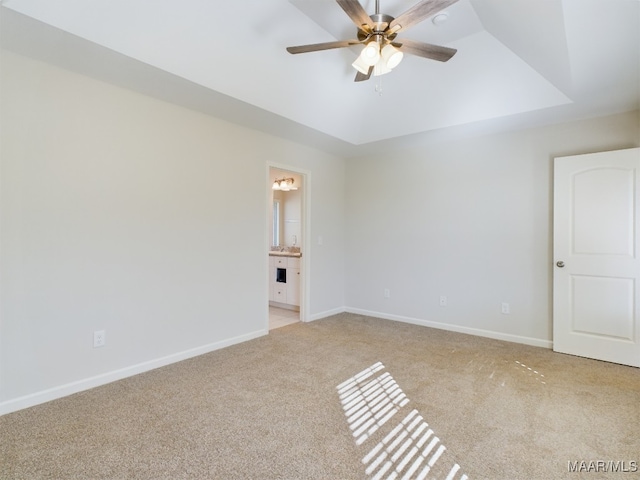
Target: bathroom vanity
(284,279)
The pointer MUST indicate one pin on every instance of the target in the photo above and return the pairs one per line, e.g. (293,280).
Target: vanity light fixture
(284,184)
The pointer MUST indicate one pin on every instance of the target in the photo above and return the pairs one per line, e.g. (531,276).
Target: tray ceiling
(524,61)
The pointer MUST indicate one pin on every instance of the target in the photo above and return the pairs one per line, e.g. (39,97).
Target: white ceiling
(519,62)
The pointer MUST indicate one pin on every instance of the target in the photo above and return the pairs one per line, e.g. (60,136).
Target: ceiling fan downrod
(380,23)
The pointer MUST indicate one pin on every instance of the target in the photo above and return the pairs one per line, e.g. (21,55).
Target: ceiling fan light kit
(377,32)
(391,56)
(380,68)
(371,53)
(360,65)
(383,60)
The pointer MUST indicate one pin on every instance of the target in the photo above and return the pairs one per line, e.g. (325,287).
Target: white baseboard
(507,337)
(326,313)
(102,379)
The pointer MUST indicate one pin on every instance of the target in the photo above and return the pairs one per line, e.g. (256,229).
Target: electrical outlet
(387,293)
(443,301)
(505,308)
(99,338)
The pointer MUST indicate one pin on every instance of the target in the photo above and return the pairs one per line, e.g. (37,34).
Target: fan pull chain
(378,86)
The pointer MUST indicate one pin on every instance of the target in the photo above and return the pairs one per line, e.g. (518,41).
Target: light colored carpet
(271,409)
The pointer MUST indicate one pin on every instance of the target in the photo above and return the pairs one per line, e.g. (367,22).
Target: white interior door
(596,267)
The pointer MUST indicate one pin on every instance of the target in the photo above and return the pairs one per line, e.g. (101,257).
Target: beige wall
(118,213)
(470,220)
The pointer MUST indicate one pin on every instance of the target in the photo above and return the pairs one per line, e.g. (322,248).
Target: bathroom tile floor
(279,317)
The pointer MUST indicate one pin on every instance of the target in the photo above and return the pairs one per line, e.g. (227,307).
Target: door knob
(560,263)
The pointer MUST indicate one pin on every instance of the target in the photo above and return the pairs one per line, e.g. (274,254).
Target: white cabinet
(280,293)
(287,292)
(293,281)
(279,262)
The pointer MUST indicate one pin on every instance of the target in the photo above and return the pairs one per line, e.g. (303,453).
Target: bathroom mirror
(286,211)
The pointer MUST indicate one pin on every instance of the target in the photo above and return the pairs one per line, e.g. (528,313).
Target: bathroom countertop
(275,253)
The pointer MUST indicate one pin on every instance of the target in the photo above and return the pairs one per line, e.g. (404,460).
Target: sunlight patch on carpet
(411,449)
(531,372)
(369,402)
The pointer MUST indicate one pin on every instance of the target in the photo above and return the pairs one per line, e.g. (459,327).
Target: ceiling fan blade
(361,77)
(426,50)
(357,14)
(315,47)
(418,13)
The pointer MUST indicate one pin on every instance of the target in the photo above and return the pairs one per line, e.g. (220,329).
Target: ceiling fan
(382,51)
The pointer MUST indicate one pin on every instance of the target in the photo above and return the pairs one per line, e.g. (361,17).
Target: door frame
(305,244)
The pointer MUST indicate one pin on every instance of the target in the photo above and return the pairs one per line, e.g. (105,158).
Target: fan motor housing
(380,23)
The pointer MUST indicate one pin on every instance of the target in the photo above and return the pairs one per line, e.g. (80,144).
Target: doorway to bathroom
(287,202)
